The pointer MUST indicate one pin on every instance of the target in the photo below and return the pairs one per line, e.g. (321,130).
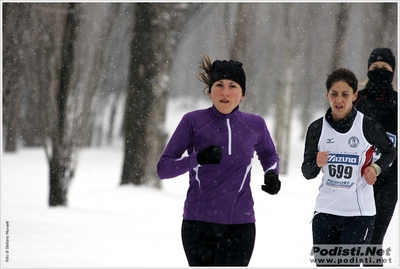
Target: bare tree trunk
(241,35)
(146,101)
(61,157)
(244,32)
(309,81)
(157,28)
(342,19)
(285,96)
(78,82)
(13,16)
(283,119)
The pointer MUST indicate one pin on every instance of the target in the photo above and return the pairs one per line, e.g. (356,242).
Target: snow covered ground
(107,225)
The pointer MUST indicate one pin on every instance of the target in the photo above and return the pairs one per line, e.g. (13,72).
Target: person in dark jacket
(378,100)
(341,145)
(218,227)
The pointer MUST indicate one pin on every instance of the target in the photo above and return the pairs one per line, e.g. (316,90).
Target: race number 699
(339,171)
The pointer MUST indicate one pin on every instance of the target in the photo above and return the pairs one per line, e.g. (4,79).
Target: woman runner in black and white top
(341,144)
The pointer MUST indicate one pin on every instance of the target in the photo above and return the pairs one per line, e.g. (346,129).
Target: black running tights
(211,244)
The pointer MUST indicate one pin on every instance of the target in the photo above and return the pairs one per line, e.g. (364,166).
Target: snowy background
(108,225)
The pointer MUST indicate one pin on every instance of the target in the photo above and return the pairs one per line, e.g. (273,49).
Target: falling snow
(108,225)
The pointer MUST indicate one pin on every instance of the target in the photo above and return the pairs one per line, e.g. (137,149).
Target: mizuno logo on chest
(343,158)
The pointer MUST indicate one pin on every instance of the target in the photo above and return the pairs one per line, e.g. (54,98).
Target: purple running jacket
(219,193)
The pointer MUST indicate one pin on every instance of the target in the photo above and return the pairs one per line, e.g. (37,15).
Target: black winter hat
(228,70)
(383,55)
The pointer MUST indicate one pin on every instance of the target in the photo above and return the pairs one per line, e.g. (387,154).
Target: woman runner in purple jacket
(218,227)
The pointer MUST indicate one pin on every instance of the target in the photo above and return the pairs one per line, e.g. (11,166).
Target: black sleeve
(309,167)
(376,136)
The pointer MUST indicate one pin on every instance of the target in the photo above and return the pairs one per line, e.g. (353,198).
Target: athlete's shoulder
(370,125)
(253,121)
(249,117)
(196,115)
(197,118)
(316,124)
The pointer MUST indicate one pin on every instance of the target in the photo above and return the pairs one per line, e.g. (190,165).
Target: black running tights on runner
(211,244)
(385,202)
(330,229)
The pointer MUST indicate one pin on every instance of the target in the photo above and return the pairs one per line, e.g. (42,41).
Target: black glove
(210,155)
(272,183)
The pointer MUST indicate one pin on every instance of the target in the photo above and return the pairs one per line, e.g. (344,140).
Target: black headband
(231,70)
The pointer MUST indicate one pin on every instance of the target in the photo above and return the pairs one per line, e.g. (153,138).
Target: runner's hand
(210,155)
(322,158)
(370,175)
(272,182)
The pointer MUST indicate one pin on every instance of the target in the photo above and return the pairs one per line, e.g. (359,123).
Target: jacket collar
(218,114)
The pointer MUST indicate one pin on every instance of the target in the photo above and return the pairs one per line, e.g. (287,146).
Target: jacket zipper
(229,137)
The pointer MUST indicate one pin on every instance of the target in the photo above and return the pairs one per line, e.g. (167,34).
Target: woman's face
(380,64)
(226,95)
(341,97)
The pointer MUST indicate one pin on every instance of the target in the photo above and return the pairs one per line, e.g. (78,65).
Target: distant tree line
(71,69)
